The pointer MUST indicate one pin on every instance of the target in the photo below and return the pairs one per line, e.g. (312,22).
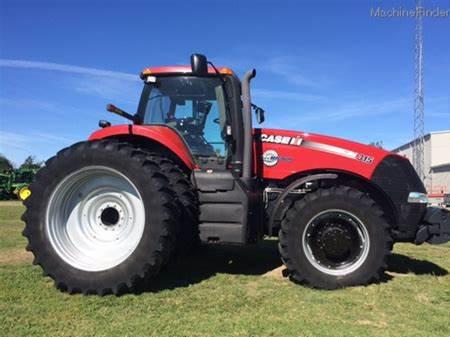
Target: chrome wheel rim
(95,218)
(336,242)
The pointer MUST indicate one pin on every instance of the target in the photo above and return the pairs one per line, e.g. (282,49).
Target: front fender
(161,134)
(397,178)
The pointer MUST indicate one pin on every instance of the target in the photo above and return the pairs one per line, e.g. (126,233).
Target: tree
(5,164)
(31,163)
(378,143)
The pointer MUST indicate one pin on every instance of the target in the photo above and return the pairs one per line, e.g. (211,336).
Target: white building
(437,160)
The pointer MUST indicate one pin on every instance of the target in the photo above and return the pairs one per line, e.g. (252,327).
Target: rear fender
(160,134)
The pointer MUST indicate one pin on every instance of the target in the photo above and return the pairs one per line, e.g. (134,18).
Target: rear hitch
(435,227)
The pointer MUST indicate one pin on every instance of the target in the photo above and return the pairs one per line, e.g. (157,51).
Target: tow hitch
(435,227)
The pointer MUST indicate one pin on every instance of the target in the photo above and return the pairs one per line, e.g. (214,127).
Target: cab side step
(224,207)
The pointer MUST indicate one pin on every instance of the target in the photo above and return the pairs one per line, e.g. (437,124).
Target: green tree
(5,164)
(378,143)
(31,163)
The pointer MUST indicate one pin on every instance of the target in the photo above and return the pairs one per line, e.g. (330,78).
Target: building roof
(406,145)
(437,132)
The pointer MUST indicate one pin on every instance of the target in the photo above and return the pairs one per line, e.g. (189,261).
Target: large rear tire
(188,238)
(100,218)
(334,238)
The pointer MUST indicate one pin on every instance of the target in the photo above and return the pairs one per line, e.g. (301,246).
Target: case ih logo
(270,158)
(277,139)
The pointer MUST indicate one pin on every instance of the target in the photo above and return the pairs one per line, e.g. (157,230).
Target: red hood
(298,151)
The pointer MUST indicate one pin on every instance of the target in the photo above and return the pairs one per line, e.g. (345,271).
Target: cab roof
(181,70)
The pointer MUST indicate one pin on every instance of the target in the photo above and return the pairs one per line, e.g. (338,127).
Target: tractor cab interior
(195,108)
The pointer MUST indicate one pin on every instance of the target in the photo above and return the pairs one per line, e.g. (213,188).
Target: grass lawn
(227,291)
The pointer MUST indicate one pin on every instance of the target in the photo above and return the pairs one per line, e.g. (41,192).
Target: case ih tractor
(109,212)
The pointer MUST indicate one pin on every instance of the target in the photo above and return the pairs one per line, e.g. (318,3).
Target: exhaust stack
(247,121)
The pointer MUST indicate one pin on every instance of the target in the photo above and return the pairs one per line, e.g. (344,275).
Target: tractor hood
(281,153)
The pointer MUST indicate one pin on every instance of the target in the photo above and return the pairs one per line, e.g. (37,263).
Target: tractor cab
(195,108)
(203,105)
(201,108)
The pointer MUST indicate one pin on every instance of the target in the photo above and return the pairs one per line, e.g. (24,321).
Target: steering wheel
(187,124)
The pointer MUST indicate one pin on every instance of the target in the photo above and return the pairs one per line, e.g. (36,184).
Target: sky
(322,66)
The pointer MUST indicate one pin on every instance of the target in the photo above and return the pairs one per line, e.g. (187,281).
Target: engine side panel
(159,133)
(281,153)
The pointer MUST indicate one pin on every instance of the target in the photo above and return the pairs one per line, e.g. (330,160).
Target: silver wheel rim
(95,218)
(346,267)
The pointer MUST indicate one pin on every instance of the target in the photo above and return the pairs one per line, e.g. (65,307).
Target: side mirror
(199,64)
(259,114)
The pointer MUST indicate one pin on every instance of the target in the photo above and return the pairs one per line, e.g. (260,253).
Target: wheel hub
(110,216)
(336,242)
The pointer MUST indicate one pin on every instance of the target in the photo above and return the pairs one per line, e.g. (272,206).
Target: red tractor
(109,212)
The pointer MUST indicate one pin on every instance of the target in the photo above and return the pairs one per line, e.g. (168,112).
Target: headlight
(417,198)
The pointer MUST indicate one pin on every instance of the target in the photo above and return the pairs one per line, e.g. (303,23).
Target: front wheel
(334,238)
(100,217)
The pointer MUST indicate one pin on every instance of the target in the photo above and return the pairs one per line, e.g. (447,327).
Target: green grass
(221,291)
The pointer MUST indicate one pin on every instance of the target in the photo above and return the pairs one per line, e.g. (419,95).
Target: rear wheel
(188,238)
(335,237)
(100,217)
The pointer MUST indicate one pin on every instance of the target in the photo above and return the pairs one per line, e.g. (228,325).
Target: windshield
(194,106)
